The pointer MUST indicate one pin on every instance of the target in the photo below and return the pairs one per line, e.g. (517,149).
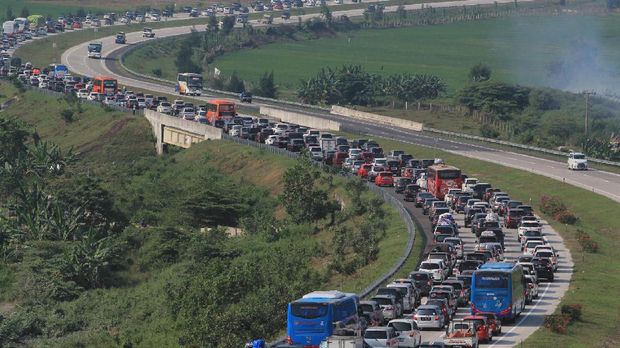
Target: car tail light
(436,317)
(412,334)
(462,293)
(415,317)
(530,285)
(289,340)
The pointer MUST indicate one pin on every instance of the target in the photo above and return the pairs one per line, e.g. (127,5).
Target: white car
(94,96)
(529,247)
(380,162)
(272,140)
(82,93)
(43,84)
(164,108)
(577,161)
(468,184)
(235,131)
(280,128)
(434,267)
(532,284)
(315,153)
(187,114)
(110,101)
(380,336)
(407,330)
(528,226)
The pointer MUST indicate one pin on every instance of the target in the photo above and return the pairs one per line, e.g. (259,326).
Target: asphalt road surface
(601,182)
(549,293)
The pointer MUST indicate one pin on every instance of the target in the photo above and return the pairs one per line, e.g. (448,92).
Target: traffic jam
(487,253)
(487,260)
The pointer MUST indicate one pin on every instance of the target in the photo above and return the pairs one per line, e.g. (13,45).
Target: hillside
(129,264)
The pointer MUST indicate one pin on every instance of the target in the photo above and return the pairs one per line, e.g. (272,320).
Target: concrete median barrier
(300,119)
(369,117)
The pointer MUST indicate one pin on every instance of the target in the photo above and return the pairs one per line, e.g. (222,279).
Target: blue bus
(499,288)
(58,70)
(312,318)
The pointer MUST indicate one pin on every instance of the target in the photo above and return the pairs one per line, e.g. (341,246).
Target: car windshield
(420,276)
(383,301)
(366,308)
(425,265)
(544,254)
(424,311)
(400,326)
(375,334)
(579,156)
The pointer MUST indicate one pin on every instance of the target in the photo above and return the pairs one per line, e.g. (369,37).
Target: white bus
(189,84)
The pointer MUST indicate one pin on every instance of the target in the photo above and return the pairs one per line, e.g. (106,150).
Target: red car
(484,330)
(364,169)
(385,179)
(496,325)
(77,25)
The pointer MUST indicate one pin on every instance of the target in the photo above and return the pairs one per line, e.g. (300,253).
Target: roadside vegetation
(483,88)
(105,244)
(592,275)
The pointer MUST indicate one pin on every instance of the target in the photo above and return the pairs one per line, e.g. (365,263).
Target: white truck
(461,333)
(577,161)
(94,50)
(468,184)
(9,28)
(343,341)
(148,33)
(328,144)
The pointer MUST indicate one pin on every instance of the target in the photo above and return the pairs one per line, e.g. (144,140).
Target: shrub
(157,72)
(551,205)
(557,323)
(586,242)
(67,115)
(573,311)
(565,217)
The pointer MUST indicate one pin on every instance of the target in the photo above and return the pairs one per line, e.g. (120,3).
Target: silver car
(380,337)
(429,317)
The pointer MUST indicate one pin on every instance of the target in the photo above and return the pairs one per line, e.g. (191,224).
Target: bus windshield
(94,47)
(309,310)
(449,174)
(109,83)
(491,280)
(195,81)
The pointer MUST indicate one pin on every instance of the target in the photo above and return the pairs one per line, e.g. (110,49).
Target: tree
(480,72)
(81,13)
(266,86)
(235,84)
(9,14)
(228,23)
(24,13)
(302,200)
(212,24)
(184,61)
(326,13)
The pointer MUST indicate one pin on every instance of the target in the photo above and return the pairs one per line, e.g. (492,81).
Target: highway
(549,293)
(605,183)
(601,182)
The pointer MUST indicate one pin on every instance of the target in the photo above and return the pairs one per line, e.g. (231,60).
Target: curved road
(599,181)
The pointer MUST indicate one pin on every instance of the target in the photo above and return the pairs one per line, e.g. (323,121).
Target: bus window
(309,310)
(491,280)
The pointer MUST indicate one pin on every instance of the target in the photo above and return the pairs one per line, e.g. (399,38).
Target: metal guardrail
(515,145)
(387,197)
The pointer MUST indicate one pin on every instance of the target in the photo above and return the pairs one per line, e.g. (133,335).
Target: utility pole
(587,94)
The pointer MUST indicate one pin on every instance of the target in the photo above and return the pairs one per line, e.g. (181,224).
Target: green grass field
(515,48)
(594,274)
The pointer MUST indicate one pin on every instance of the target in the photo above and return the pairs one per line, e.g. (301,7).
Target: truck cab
(148,32)
(577,161)
(120,38)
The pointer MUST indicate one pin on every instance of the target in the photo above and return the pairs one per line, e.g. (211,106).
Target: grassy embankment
(118,148)
(594,274)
